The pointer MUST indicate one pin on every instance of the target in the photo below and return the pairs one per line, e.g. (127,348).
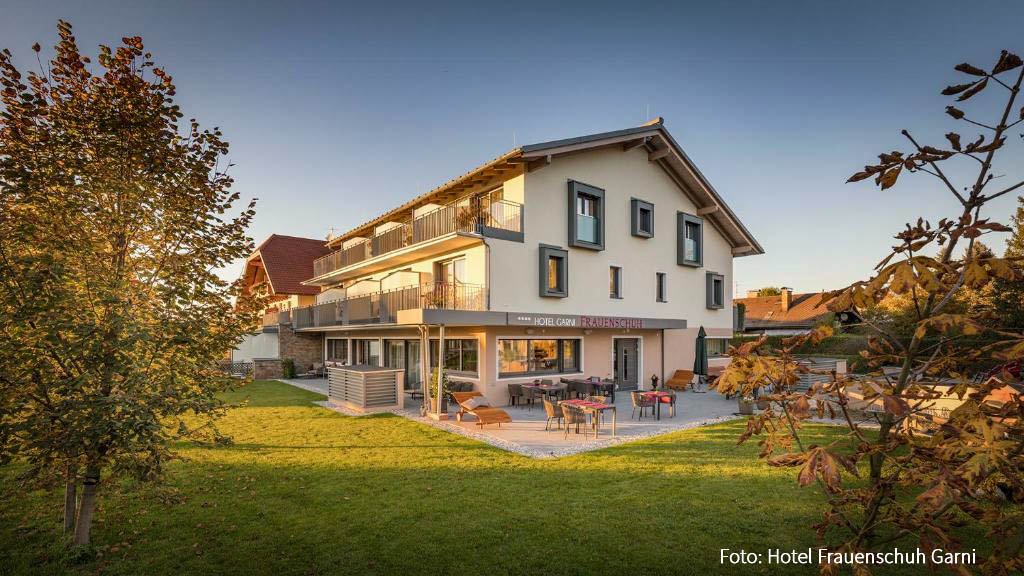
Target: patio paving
(526,435)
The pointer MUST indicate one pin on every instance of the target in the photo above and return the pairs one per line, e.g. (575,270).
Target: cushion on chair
(475,402)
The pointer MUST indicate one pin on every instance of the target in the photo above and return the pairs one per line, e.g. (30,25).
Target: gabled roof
(662,150)
(288,260)
(766,311)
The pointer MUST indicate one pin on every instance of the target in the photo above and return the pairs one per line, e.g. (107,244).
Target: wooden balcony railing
(474,215)
(382,307)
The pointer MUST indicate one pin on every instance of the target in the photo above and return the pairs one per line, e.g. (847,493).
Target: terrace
(455,225)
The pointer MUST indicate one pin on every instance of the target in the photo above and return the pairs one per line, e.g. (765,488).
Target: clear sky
(338,111)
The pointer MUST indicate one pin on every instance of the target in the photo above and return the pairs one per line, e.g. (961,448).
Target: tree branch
(935,166)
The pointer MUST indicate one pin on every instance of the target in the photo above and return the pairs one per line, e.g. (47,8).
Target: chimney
(752,293)
(786,298)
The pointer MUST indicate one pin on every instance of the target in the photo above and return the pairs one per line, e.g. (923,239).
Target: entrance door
(626,362)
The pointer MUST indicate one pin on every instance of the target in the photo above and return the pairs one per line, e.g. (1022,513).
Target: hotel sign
(584,321)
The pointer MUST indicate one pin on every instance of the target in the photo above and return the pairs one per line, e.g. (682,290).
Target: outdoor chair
(474,403)
(598,400)
(554,414)
(680,380)
(574,416)
(641,401)
(316,371)
(515,394)
(531,394)
(669,399)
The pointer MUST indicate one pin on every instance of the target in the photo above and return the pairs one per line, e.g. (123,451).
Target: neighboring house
(787,313)
(600,255)
(276,269)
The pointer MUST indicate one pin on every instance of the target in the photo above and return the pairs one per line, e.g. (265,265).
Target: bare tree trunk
(70,501)
(87,506)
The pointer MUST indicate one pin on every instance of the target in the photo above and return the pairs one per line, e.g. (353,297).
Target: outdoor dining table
(547,389)
(657,395)
(597,385)
(595,409)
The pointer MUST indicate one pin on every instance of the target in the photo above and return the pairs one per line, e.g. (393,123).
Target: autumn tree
(114,218)
(1008,296)
(925,473)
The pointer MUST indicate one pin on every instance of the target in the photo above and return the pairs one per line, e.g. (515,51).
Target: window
(459,355)
(717,346)
(366,351)
(615,282)
(586,216)
(528,357)
(660,287)
(451,271)
(641,218)
(716,291)
(554,272)
(690,249)
(337,350)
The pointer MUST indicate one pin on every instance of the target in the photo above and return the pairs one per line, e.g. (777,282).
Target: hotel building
(600,255)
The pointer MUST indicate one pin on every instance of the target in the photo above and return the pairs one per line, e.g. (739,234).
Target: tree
(113,223)
(1008,297)
(927,474)
(770,291)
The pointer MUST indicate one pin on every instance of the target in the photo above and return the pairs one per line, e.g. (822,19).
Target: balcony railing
(382,307)
(475,215)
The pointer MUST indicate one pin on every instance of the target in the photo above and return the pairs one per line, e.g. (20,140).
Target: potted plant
(445,392)
(746,405)
(654,381)
(762,400)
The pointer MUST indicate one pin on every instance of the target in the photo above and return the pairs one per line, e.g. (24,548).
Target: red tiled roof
(766,311)
(289,260)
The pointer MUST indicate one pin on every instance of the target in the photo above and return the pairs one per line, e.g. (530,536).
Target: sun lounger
(484,414)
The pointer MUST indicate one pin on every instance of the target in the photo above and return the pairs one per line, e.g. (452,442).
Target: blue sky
(336,112)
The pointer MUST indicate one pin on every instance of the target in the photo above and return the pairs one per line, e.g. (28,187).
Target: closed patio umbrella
(700,360)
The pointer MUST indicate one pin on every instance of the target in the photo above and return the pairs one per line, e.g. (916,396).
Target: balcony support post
(440,371)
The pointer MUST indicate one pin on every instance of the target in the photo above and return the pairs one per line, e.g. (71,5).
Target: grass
(308,491)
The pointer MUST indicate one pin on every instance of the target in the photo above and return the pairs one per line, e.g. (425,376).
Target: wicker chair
(554,414)
(641,402)
(574,416)
(515,394)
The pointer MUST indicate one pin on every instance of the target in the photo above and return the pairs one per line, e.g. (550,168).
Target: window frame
(560,357)
(682,220)
(636,207)
(432,356)
(546,253)
(725,349)
(615,282)
(577,189)
(712,279)
(660,287)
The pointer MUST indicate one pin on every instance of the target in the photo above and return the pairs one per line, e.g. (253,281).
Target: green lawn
(308,491)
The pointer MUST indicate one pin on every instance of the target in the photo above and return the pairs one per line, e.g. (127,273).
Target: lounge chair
(484,413)
(680,380)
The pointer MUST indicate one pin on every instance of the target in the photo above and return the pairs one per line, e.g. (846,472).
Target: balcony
(383,307)
(469,218)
